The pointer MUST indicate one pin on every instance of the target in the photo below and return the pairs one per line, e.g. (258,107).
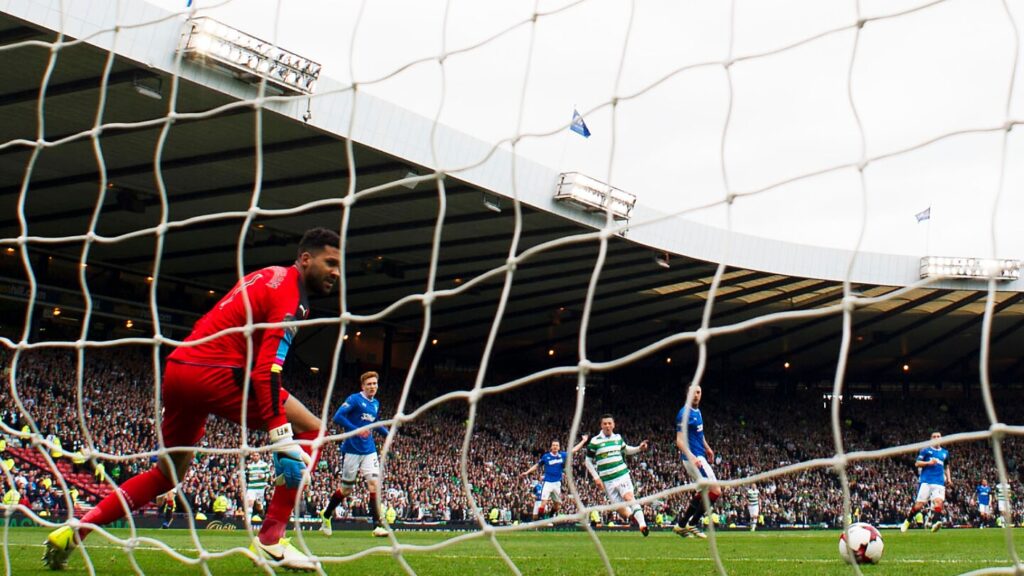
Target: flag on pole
(923,215)
(578,125)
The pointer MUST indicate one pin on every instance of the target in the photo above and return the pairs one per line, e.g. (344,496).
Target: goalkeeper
(207,379)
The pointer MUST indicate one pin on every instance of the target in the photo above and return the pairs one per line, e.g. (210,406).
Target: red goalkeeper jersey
(276,294)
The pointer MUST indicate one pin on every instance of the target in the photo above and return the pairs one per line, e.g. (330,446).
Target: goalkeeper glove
(290,460)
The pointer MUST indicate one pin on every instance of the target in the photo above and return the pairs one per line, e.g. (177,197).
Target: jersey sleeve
(275,304)
(341,416)
(679,422)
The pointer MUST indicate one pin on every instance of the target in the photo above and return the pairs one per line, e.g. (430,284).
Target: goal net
(794,122)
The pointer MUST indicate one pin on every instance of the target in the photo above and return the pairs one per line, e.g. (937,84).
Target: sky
(942,69)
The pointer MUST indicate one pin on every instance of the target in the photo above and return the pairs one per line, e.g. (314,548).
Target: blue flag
(578,125)
(923,215)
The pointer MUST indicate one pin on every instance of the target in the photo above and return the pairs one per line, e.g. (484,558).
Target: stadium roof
(211,161)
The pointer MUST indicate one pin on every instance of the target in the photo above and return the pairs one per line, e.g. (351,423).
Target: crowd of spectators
(751,433)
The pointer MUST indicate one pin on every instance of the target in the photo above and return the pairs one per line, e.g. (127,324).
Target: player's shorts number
(618,488)
(928,492)
(366,464)
(551,491)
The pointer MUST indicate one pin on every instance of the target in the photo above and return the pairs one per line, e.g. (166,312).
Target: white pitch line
(328,559)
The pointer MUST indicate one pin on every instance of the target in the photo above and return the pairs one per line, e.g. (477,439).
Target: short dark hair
(608,416)
(315,239)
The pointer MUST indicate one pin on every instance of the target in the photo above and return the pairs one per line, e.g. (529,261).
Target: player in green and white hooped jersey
(1003,499)
(753,506)
(609,471)
(257,472)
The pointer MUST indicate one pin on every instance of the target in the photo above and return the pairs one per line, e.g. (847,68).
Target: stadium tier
(241,288)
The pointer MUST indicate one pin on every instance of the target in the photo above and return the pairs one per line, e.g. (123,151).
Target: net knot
(511,263)
(849,303)
(702,336)
(585,366)
(429,298)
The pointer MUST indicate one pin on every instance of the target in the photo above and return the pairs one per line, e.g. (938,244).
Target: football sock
(137,492)
(336,499)
(374,517)
(638,513)
(692,512)
(282,502)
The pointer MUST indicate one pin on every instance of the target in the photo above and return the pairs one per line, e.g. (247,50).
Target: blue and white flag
(923,215)
(578,125)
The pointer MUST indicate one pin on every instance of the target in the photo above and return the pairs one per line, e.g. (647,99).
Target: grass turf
(543,553)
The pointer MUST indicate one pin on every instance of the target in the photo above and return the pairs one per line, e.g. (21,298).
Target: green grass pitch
(544,553)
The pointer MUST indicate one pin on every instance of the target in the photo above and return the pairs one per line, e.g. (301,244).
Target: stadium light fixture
(492,203)
(128,324)
(411,185)
(975,268)
(906,367)
(56,311)
(246,57)
(149,86)
(661,259)
(786,365)
(594,196)
(314,369)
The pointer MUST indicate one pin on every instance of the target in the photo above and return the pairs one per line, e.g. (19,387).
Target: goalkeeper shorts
(192,392)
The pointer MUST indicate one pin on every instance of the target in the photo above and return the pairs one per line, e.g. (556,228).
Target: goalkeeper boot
(59,545)
(284,554)
(380,532)
(325,525)
(905,526)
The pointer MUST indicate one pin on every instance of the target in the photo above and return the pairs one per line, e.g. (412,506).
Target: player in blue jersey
(358,453)
(693,446)
(536,491)
(554,462)
(984,496)
(932,483)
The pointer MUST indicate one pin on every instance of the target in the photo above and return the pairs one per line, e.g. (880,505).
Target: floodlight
(492,203)
(227,49)
(594,196)
(975,268)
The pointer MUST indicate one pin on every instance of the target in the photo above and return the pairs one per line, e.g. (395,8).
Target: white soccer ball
(861,544)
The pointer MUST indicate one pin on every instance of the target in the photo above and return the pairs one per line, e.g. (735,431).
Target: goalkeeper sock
(336,499)
(283,502)
(137,492)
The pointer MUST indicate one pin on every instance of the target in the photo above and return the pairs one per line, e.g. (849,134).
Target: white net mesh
(234,446)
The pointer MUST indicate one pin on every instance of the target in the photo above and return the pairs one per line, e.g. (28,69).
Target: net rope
(583,367)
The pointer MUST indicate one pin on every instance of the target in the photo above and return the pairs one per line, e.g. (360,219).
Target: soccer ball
(862,544)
